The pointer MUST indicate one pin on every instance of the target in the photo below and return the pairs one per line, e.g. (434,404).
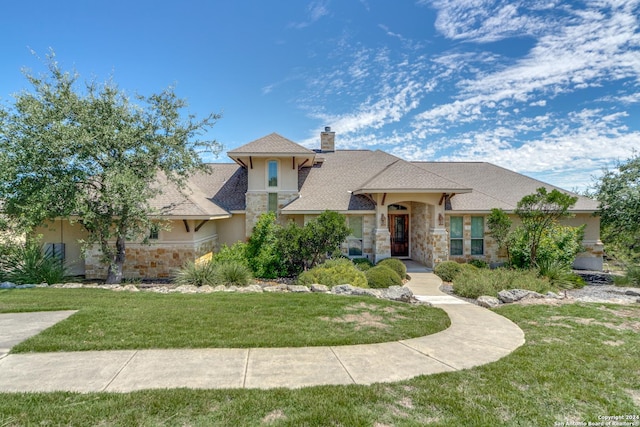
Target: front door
(399,228)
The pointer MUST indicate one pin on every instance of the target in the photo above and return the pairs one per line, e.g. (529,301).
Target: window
(272,173)
(456,246)
(354,241)
(477,235)
(273,202)
(154,232)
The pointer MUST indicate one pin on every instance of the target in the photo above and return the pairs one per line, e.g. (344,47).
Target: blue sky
(549,88)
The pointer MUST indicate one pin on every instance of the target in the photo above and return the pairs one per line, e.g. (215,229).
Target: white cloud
(315,11)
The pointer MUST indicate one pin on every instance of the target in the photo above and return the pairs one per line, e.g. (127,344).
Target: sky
(547,88)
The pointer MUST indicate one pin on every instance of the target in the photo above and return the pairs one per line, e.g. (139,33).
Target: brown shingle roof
(493,186)
(272,144)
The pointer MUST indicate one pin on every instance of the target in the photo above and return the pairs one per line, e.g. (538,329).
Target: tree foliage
(538,212)
(274,250)
(618,192)
(93,153)
(539,236)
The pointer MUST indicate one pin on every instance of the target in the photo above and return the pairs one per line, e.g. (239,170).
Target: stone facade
(382,238)
(592,257)
(437,247)
(258,203)
(152,261)
(419,228)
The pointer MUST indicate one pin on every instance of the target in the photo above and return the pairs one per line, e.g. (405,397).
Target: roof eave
(412,190)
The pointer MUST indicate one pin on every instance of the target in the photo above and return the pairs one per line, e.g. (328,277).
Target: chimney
(327,140)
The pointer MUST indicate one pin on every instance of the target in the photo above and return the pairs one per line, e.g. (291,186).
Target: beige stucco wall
(287,175)
(231,230)
(61,231)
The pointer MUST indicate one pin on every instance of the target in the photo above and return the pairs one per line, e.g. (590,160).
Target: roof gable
(272,144)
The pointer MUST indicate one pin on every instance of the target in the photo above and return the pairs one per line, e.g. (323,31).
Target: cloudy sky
(550,88)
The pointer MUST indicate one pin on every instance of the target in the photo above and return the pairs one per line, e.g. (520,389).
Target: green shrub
(334,272)
(474,283)
(558,243)
(630,278)
(381,276)
(362,264)
(396,265)
(478,263)
(197,274)
(448,270)
(559,274)
(262,251)
(232,273)
(30,264)
(236,253)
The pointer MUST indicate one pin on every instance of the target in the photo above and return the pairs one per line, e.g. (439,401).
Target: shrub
(396,265)
(448,270)
(381,276)
(559,274)
(362,264)
(334,272)
(196,274)
(232,273)
(262,253)
(236,253)
(630,278)
(29,264)
(557,242)
(478,263)
(474,283)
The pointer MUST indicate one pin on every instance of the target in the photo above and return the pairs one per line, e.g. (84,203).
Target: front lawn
(580,363)
(122,320)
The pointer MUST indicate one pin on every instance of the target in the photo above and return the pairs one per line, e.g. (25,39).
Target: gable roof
(271,145)
(340,182)
(494,186)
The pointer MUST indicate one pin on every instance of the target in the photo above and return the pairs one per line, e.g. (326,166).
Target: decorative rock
(69,285)
(632,293)
(397,293)
(250,289)
(28,286)
(298,288)
(231,289)
(220,288)
(553,295)
(7,285)
(342,290)
(488,301)
(274,289)
(186,289)
(316,287)
(130,288)
(513,295)
(205,289)
(376,293)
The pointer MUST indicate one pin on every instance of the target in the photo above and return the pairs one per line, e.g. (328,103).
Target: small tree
(94,154)
(262,248)
(499,225)
(538,212)
(618,192)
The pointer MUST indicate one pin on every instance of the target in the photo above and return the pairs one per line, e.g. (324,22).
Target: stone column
(382,236)
(438,239)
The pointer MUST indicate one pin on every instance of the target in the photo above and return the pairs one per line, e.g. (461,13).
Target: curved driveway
(476,336)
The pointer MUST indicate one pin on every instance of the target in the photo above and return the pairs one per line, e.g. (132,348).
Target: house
(427,211)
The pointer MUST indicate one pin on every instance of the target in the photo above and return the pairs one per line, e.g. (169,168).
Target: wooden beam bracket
(199,226)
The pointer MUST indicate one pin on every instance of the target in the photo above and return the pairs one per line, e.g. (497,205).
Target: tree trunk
(114,275)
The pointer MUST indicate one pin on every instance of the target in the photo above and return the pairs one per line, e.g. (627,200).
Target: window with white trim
(456,235)
(477,235)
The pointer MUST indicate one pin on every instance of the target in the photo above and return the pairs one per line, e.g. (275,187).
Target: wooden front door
(399,228)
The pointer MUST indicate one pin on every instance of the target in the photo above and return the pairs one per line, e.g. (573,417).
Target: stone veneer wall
(258,203)
(437,247)
(419,221)
(153,261)
(368,226)
(491,252)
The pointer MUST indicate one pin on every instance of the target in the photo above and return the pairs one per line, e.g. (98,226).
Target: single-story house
(426,211)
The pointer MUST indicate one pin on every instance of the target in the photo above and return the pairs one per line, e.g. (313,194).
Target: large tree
(92,153)
(618,192)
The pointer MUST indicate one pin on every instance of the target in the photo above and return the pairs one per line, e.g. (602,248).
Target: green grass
(121,320)
(580,362)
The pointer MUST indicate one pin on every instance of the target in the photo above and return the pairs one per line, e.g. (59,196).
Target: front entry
(399,229)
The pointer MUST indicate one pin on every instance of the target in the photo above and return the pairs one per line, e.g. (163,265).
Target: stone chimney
(327,140)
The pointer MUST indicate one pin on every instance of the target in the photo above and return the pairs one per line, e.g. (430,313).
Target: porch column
(438,239)
(382,236)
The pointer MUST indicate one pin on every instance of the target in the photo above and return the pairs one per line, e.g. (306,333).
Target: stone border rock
(392,293)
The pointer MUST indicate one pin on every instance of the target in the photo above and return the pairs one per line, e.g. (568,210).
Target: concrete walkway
(476,336)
